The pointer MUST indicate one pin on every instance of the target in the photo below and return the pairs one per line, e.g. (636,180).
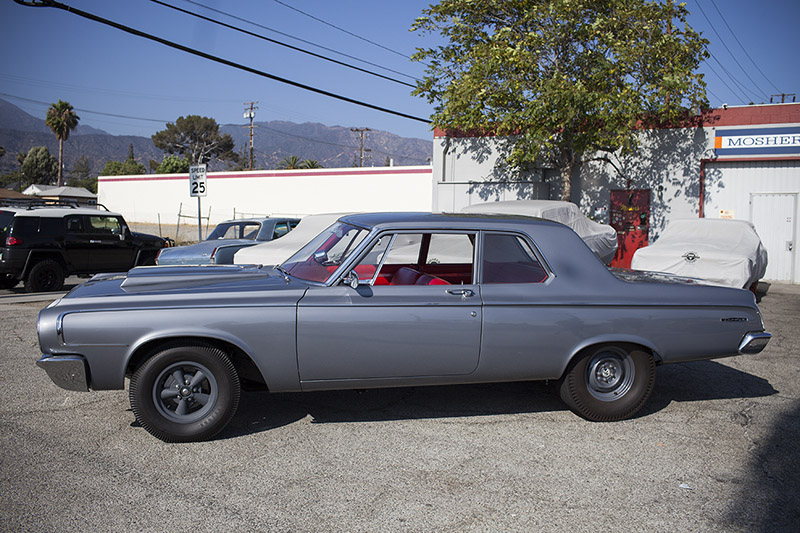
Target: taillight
(213,254)
(13,241)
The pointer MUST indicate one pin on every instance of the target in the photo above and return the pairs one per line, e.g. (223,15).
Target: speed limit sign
(197,180)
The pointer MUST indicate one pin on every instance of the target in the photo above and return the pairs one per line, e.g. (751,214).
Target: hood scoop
(164,278)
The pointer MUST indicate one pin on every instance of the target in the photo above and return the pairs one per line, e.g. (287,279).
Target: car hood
(148,238)
(176,280)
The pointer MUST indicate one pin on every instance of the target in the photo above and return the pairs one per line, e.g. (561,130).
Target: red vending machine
(630,216)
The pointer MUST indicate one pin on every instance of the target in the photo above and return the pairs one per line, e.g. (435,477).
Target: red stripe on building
(275,174)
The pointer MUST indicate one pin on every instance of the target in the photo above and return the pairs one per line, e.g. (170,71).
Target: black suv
(43,244)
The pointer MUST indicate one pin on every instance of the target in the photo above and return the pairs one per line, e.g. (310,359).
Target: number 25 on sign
(197,180)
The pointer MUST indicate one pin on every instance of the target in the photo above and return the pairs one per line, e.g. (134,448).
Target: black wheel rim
(610,374)
(46,279)
(185,392)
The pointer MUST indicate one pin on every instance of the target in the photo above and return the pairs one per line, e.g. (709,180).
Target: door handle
(464,293)
(92,241)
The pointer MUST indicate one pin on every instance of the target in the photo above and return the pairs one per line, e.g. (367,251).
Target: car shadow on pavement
(702,380)
(262,411)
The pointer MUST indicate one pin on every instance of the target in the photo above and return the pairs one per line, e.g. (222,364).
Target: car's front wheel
(185,392)
(609,383)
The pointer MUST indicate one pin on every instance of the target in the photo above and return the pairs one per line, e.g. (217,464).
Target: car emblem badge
(691,257)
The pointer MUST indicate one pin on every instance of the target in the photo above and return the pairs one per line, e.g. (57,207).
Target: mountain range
(331,146)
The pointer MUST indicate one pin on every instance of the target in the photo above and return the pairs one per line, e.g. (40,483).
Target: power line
(298,39)
(742,46)
(341,29)
(160,121)
(165,42)
(722,41)
(731,89)
(273,41)
(318,141)
(86,110)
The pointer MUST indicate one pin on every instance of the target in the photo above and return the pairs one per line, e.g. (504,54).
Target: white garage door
(766,193)
(773,215)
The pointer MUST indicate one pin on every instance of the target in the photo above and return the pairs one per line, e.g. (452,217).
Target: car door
(416,314)
(110,249)
(77,243)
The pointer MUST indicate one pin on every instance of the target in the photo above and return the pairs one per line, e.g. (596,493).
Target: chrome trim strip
(60,328)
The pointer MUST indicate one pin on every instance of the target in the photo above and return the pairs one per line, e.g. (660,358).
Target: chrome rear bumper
(754,342)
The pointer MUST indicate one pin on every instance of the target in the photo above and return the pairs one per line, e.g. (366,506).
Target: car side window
(74,224)
(25,227)
(510,259)
(419,259)
(281,229)
(105,225)
(248,231)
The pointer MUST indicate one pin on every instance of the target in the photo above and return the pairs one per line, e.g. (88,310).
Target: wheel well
(36,257)
(244,365)
(625,344)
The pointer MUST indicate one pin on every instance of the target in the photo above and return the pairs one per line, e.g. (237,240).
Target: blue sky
(49,54)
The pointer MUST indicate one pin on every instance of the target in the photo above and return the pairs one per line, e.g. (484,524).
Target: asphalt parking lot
(715,449)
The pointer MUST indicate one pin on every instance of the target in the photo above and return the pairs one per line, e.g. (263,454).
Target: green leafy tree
(80,175)
(128,167)
(290,163)
(197,138)
(172,164)
(560,80)
(61,119)
(39,167)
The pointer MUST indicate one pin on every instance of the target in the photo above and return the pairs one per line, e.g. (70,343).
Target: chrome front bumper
(754,342)
(66,371)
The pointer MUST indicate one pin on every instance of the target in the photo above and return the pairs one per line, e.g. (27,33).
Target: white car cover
(720,251)
(277,251)
(601,238)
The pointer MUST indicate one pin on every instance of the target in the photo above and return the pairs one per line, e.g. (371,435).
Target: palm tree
(61,119)
(290,163)
(310,163)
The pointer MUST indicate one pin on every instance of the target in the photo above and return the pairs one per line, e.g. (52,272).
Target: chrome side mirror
(351,279)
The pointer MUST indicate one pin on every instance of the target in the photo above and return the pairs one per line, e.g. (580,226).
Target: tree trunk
(60,160)
(566,182)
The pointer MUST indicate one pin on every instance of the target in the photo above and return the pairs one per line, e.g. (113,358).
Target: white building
(739,162)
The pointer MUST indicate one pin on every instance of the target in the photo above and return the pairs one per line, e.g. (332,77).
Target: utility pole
(783,97)
(250,112)
(361,133)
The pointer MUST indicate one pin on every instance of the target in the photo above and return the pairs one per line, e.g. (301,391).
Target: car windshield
(235,230)
(319,259)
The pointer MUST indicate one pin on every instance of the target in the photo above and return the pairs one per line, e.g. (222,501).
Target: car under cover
(719,251)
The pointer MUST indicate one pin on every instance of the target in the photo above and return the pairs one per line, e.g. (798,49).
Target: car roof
(57,212)
(444,220)
(260,220)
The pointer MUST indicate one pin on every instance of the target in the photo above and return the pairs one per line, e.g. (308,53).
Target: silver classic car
(388,300)
(226,239)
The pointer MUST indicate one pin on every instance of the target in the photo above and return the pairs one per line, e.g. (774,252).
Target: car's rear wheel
(185,392)
(45,276)
(609,382)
